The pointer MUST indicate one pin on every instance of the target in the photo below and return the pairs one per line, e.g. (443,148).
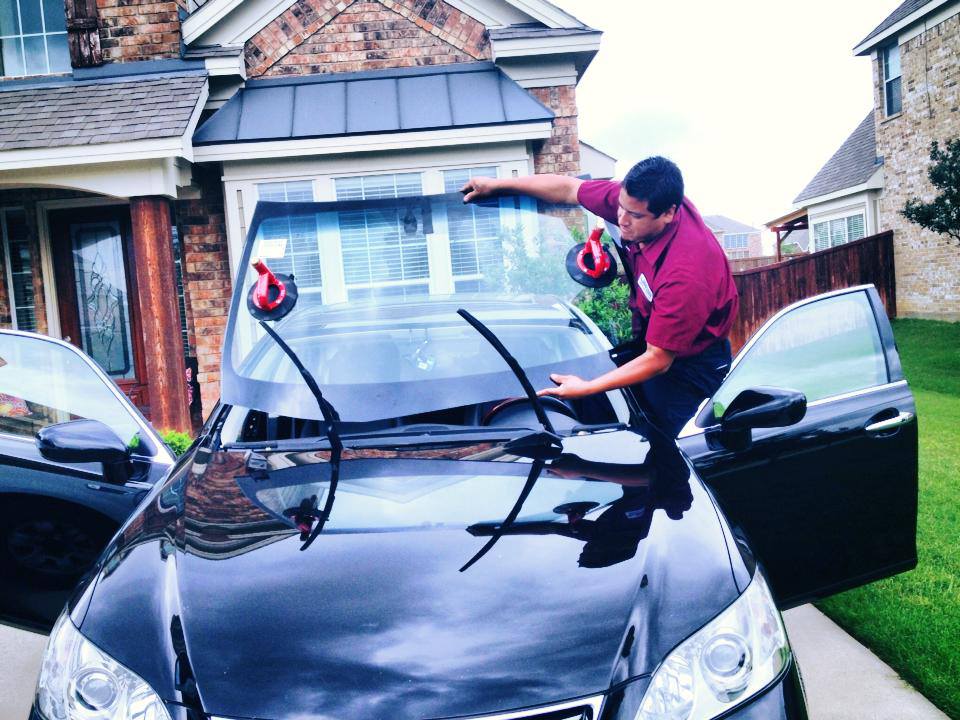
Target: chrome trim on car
(162,452)
(891,423)
(594,704)
(691,428)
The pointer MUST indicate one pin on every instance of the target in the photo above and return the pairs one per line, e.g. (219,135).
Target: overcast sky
(749,97)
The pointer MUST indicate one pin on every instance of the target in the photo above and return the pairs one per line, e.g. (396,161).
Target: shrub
(609,308)
(178,441)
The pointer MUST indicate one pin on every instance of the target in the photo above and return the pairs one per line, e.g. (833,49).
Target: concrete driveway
(843,680)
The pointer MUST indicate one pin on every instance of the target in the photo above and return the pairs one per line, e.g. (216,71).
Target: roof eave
(867,45)
(874,182)
(373,142)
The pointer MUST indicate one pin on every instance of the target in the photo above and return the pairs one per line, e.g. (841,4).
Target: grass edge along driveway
(912,621)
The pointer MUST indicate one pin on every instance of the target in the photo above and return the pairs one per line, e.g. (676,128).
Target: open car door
(823,485)
(59,502)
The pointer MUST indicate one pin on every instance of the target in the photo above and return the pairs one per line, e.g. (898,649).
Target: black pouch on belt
(626,351)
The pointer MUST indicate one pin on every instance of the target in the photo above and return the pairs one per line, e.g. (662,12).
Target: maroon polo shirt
(684,292)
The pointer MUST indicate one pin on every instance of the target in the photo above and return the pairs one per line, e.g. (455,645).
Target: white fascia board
(548,71)
(90,154)
(186,140)
(231,22)
(226,66)
(874,183)
(587,42)
(396,161)
(896,28)
(547,13)
(161,176)
(371,143)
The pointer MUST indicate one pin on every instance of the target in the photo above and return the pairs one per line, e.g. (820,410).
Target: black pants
(669,400)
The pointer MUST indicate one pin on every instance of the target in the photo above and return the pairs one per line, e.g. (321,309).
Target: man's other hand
(568,386)
(477,188)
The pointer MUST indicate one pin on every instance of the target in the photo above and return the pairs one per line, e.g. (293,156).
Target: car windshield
(379,284)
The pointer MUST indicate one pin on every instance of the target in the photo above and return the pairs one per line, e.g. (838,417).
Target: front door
(97,293)
(831,501)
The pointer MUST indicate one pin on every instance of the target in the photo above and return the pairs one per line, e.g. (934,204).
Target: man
(682,295)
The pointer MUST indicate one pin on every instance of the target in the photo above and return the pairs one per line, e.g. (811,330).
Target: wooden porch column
(159,312)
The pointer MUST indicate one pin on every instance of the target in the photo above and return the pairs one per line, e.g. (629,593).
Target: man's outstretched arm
(550,188)
(654,361)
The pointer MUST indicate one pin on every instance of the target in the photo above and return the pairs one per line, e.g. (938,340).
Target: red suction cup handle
(594,248)
(261,291)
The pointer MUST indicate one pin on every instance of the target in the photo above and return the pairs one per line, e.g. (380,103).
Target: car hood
(393,609)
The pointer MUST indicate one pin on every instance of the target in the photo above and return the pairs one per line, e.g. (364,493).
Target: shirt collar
(654,249)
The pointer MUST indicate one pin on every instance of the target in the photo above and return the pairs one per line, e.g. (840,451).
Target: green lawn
(912,621)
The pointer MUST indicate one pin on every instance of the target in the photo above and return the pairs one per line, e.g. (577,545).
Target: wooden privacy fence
(765,290)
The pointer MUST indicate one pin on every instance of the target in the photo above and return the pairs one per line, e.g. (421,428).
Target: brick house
(915,55)
(137,137)
(737,239)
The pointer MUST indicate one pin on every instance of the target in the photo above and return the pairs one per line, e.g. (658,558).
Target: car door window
(825,348)
(43,382)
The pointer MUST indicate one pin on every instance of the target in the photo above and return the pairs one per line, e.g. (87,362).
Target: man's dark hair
(657,181)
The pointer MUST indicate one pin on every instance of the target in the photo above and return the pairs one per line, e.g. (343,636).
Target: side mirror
(86,441)
(764,407)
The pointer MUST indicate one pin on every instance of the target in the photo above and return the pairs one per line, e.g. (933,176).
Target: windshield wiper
(332,418)
(545,443)
(498,533)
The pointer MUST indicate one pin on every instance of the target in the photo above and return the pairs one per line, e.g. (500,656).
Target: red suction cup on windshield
(591,264)
(273,295)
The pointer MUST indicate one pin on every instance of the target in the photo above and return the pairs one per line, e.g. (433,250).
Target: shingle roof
(722,222)
(851,165)
(378,101)
(199,52)
(525,30)
(93,112)
(906,9)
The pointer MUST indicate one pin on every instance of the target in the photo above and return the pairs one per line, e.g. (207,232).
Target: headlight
(78,681)
(735,656)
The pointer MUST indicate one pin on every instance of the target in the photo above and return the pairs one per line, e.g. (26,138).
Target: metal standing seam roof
(378,101)
(851,165)
(92,112)
(904,10)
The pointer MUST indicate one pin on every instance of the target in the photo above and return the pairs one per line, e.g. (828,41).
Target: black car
(58,511)
(382,520)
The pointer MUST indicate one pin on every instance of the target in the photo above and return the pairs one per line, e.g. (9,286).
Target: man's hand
(568,386)
(477,188)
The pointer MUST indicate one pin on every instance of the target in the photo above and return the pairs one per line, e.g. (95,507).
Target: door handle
(901,418)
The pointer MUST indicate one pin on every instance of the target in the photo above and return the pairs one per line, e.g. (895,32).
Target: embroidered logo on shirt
(645,287)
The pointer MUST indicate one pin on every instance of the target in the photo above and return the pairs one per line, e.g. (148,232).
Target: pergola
(783,226)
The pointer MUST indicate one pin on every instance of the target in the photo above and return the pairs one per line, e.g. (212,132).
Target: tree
(942,215)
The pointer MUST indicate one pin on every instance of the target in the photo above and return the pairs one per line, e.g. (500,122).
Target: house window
(296,238)
(384,250)
(738,241)
(33,37)
(891,80)
(840,231)
(474,232)
(295,191)
(19,268)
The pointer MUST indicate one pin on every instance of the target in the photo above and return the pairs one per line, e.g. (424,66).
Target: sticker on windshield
(272,248)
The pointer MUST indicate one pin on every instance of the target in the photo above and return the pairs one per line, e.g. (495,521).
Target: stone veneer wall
(206,277)
(327,36)
(927,264)
(137,30)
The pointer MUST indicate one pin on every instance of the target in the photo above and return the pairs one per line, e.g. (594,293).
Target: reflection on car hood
(376,617)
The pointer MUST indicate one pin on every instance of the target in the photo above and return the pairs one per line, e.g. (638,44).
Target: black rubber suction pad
(283,308)
(582,275)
